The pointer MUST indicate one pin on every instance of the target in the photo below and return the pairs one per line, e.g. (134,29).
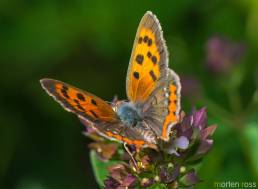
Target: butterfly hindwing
(149,60)
(163,107)
(79,102)
(138,136)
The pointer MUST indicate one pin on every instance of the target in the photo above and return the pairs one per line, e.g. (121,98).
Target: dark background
(88,44)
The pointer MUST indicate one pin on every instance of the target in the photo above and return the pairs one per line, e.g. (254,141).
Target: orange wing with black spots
(149,60)
(173,95)
(79,102)
(96,113)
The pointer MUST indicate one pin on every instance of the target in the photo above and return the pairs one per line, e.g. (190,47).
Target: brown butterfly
(152,88)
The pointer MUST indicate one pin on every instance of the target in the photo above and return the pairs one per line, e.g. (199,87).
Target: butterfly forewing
(96,113)
(148,61)
(79,102)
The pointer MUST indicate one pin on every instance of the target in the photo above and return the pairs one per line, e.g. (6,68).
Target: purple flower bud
(168,174)
(190,178)
(185,127)
(200,118)
(111,183)
(204,147)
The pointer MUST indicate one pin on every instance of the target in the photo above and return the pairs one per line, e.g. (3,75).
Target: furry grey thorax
(129,114)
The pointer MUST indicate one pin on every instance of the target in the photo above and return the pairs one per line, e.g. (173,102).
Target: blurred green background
(88,44)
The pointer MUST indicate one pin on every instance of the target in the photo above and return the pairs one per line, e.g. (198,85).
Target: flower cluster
(172,166)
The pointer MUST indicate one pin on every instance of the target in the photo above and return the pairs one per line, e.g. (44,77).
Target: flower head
(170,166)
(194,130)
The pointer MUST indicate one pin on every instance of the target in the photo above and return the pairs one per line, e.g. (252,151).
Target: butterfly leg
(132,157)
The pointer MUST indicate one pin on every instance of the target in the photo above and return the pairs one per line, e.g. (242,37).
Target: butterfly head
(128,114)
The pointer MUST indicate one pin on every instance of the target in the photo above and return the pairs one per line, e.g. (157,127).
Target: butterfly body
(153,92)
(128,114)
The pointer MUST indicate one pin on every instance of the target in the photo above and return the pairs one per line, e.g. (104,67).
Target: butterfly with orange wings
(153,92)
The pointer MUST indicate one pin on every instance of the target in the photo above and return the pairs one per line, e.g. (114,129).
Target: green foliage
(100,168)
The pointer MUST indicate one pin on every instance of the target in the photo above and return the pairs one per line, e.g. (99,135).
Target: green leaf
(100,167)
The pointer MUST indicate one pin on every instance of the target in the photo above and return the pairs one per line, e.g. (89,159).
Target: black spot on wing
(139,59)
(148,54)
(149,42)
(80,107)
(153,76)
(80,96)
(93,113)
(76,101)
(145,39)
(154,59)
(93,102)
(136,75)
(64,93)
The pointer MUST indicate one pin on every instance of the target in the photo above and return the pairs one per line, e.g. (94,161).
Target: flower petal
(205,133)
(200,118)
(204,147)
(182,142)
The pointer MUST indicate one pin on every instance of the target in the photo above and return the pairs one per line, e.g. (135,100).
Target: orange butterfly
(152,88)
